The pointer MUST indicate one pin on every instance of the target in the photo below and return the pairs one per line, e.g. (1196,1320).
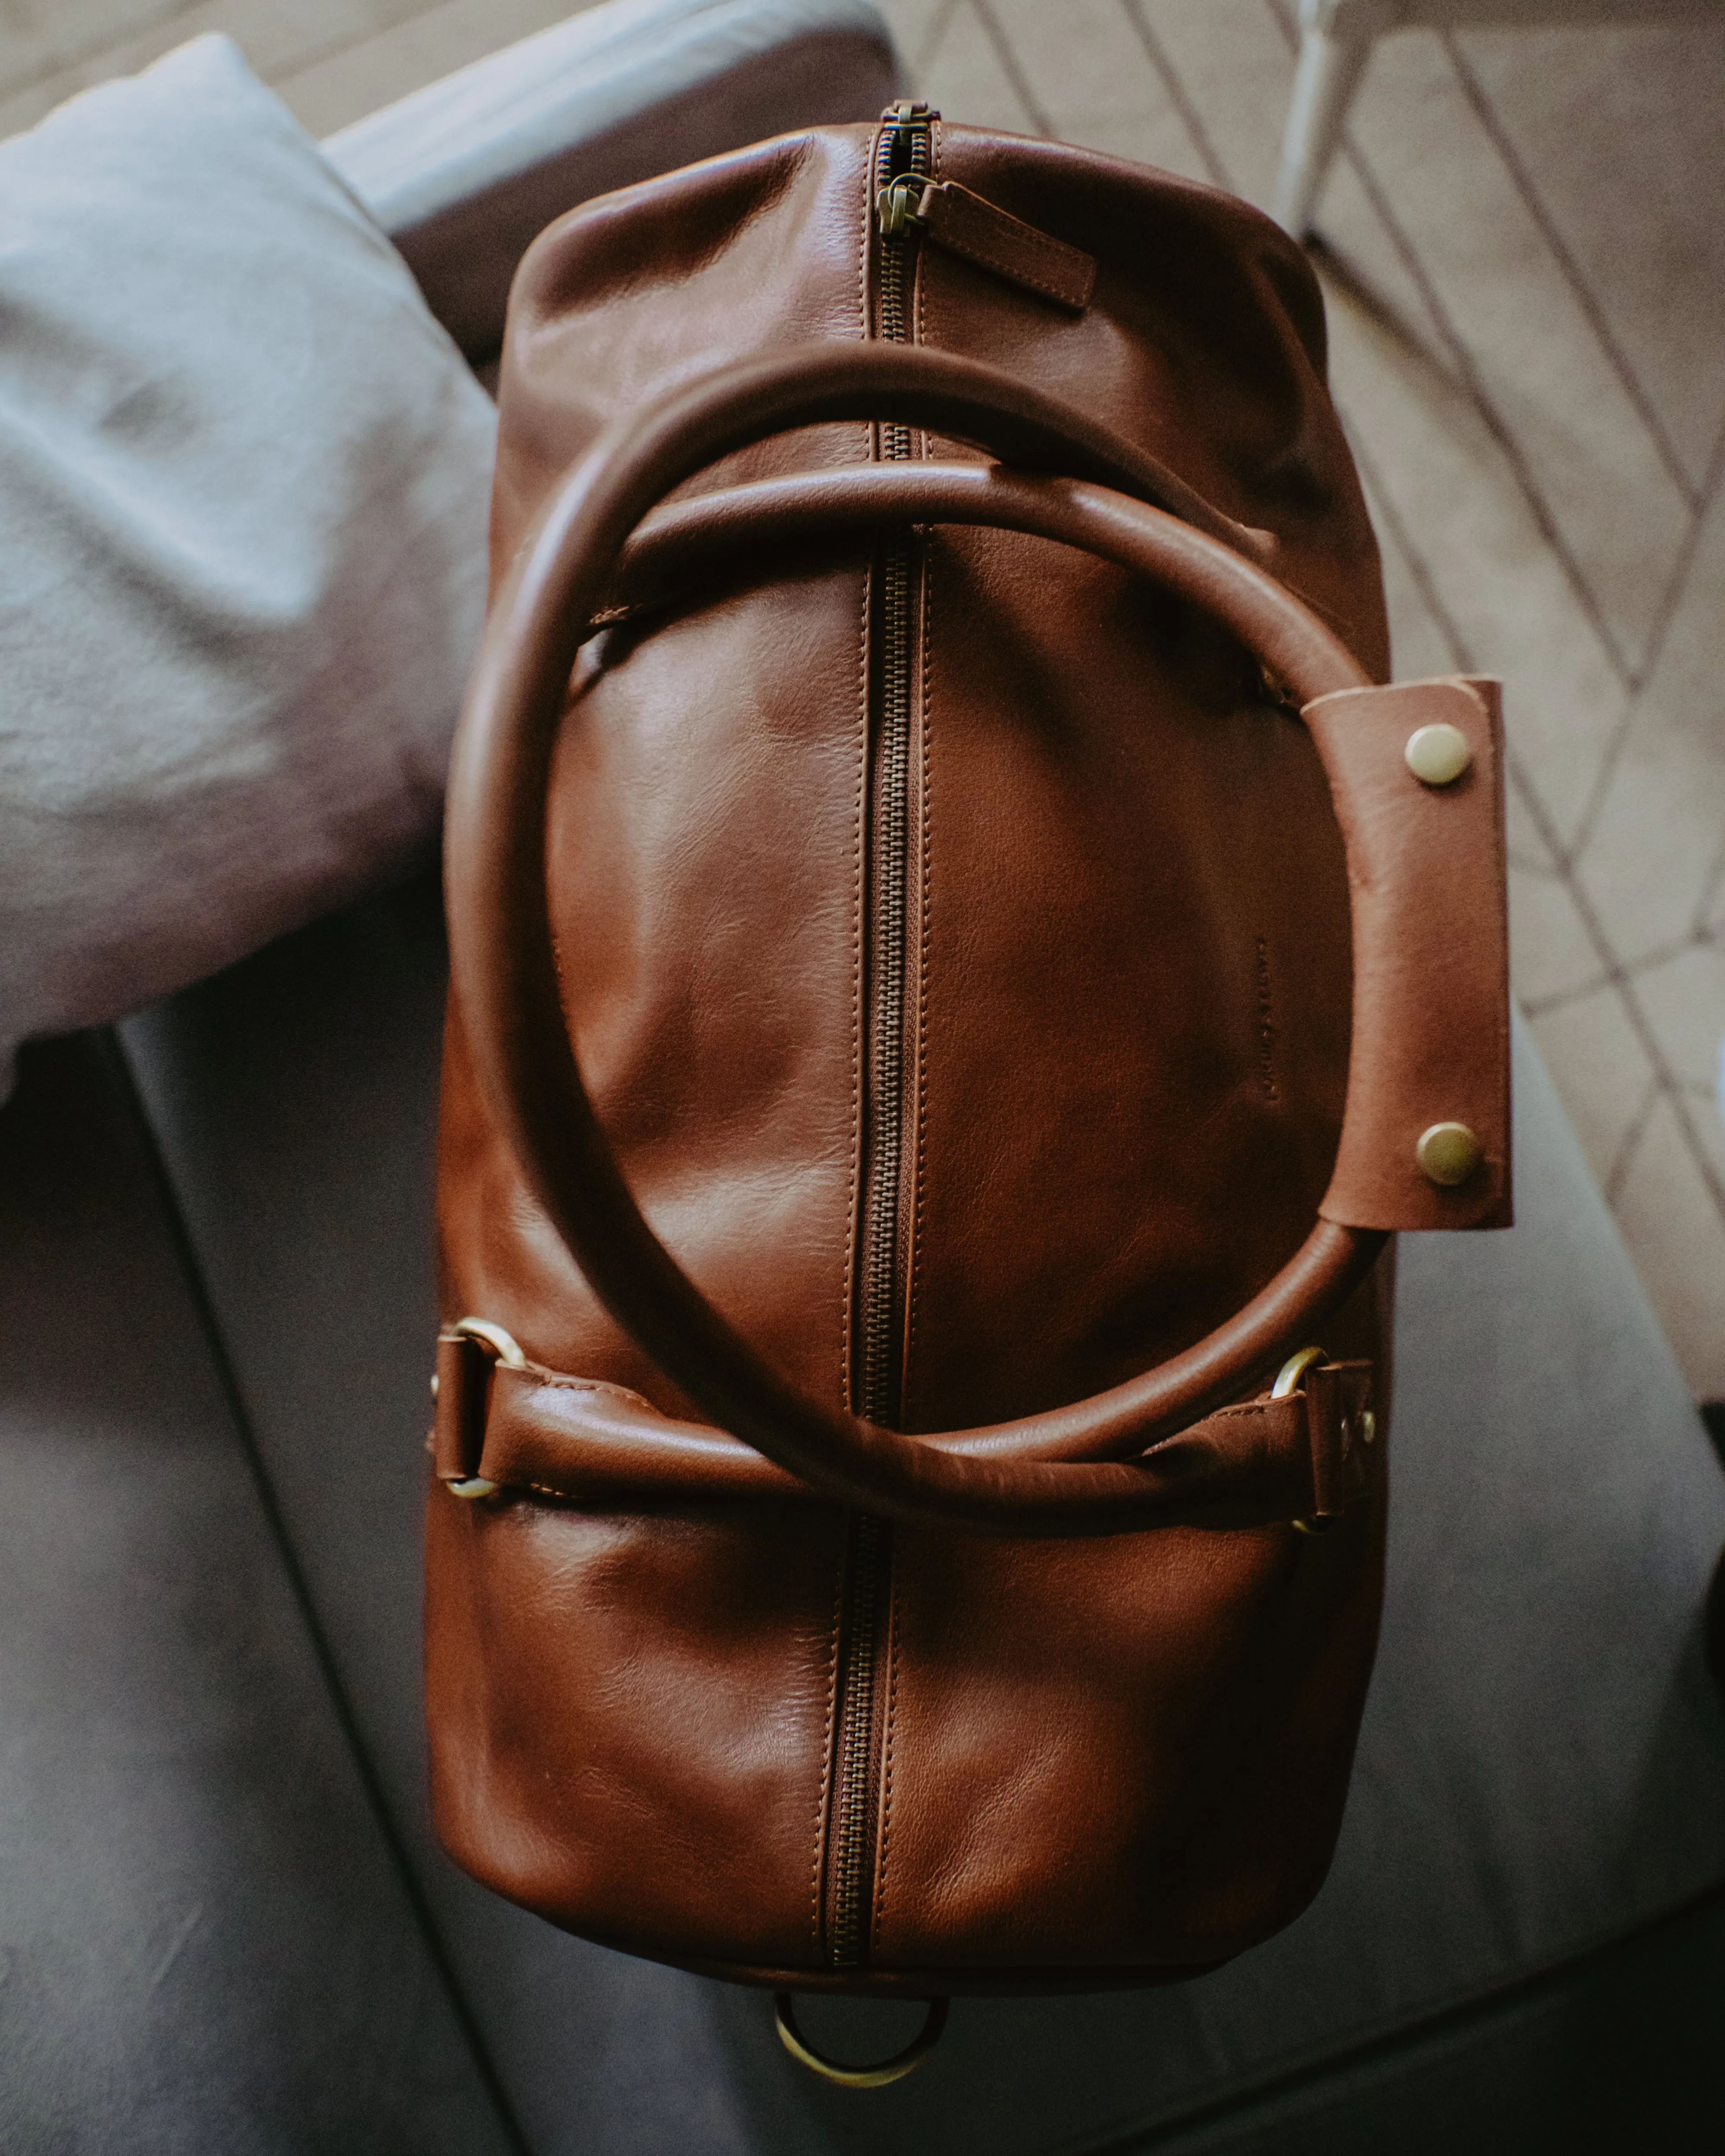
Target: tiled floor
(1524,252)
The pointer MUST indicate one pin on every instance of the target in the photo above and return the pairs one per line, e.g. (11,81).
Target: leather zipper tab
(981,233)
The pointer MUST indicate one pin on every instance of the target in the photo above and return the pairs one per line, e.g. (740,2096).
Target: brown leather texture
(679,1701)
(952,217)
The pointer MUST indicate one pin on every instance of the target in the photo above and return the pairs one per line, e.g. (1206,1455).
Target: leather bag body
(954,931)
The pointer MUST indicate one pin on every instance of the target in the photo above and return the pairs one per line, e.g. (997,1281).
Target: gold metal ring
(1287,1378)
(502,1345)
(502,1348)
(1287,1381)
(895,2069)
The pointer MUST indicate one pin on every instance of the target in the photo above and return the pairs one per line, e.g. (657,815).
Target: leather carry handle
(503,1422)
(1060,1472)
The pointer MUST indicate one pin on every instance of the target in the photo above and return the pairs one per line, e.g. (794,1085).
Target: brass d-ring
(895,2069)
(1287,1380)
(502,1348)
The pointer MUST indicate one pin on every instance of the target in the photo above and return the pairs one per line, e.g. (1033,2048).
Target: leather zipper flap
(981,233)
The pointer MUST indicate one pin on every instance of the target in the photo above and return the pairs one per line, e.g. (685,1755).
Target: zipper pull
(897,207)
(981,233)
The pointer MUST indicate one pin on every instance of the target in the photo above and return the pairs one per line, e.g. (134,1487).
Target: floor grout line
(67,63)
(1611,755)
(1496,426)
(1561,998)
(1614,976)
(1702,927)
(1169,75)
(1468,379)
(937,27)
(1005,53)
(1630,1144)
(1682,1108)
(1588,299)
(319,55)
(1420,570)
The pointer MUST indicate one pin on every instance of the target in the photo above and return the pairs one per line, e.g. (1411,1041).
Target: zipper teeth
(845,1942)
(908,146)
(880,1278)
(902,148)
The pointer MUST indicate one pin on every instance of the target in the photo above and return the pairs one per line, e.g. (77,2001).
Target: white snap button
(1437,755)
(1448,1153)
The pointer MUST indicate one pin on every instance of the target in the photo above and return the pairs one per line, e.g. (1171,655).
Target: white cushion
(243,480)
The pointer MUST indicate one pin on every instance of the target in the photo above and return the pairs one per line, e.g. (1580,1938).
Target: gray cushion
(1543,1757)
(244,478)
(207,1947)
(463,174)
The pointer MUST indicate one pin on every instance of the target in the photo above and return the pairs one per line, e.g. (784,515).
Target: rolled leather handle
(1063,1472)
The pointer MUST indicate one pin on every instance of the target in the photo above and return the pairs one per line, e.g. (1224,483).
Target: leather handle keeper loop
(1066,1471)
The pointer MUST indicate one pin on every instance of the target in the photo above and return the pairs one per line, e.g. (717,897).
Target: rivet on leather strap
(1448,1153)
(1438,755)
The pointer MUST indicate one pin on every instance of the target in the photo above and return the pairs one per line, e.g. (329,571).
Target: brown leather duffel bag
(909,915)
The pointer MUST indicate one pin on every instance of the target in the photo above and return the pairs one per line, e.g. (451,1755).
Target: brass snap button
(1448,1153)
(1437,755)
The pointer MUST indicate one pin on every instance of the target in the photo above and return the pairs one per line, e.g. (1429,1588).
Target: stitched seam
(886,1772)
(1500,853)
(847,1345)
(826,1755)
(921,289)
(1018,273)
(852,1196)
(920,1205)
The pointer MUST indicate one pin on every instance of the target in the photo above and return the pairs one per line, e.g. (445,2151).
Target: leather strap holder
(460,1390)
(537,1431)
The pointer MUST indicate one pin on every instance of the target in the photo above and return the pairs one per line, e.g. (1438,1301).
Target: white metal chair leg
(1328,73)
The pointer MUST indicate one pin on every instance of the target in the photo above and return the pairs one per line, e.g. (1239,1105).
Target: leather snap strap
(1069,1469)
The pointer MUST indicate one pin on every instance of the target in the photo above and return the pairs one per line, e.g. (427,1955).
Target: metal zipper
(901,168)
(851,1847)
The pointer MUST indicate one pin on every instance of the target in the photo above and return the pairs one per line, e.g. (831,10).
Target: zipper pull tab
(984,234)
(898,206)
